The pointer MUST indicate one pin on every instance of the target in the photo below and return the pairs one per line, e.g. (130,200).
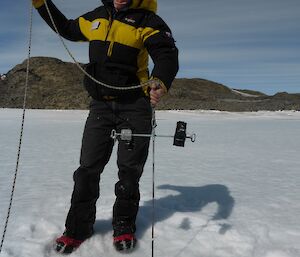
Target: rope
(21,132)
(79,66)
(153,180)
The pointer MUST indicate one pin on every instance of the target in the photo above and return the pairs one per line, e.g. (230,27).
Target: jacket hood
(149,5)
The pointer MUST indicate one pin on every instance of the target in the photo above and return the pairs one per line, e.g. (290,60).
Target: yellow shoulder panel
(129,35)
(125,34)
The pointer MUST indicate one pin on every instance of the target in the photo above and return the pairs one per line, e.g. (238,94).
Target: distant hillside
(54,84)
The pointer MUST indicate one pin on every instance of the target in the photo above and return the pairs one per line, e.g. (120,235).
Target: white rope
(21,132)
(123,87)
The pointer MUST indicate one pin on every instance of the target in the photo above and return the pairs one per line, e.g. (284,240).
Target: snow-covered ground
(233,193)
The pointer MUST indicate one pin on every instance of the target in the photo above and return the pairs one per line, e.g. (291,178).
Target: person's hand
(38,3)
(157,90)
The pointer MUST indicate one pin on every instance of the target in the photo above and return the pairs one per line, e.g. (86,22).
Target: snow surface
(233,193)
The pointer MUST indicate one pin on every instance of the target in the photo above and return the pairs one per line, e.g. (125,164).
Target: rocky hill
(54,84)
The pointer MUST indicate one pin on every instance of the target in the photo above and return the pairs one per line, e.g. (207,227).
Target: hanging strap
(21,130)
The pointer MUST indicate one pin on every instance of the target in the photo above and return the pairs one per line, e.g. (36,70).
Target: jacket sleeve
(68,29)
(162,49)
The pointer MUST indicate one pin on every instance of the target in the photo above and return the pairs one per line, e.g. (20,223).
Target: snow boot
(126,242)
(66,245)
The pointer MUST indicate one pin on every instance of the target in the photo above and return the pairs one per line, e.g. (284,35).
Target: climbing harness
(21,131)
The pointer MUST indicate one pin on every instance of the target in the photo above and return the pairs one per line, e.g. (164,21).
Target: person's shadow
(189,199)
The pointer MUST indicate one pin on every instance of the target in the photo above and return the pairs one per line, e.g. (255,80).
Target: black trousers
(95,153)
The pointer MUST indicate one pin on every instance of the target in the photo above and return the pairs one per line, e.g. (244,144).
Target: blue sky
(253,44)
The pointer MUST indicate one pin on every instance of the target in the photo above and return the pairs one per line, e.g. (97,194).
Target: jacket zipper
(109,50)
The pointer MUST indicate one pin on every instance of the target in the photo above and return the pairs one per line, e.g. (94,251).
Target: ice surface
(234,192)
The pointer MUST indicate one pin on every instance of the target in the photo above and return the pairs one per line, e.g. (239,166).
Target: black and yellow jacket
(120,43)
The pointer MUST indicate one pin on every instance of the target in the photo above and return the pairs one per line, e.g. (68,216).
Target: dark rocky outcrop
(54,84)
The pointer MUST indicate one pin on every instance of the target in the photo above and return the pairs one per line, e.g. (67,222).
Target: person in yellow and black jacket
(121,35)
